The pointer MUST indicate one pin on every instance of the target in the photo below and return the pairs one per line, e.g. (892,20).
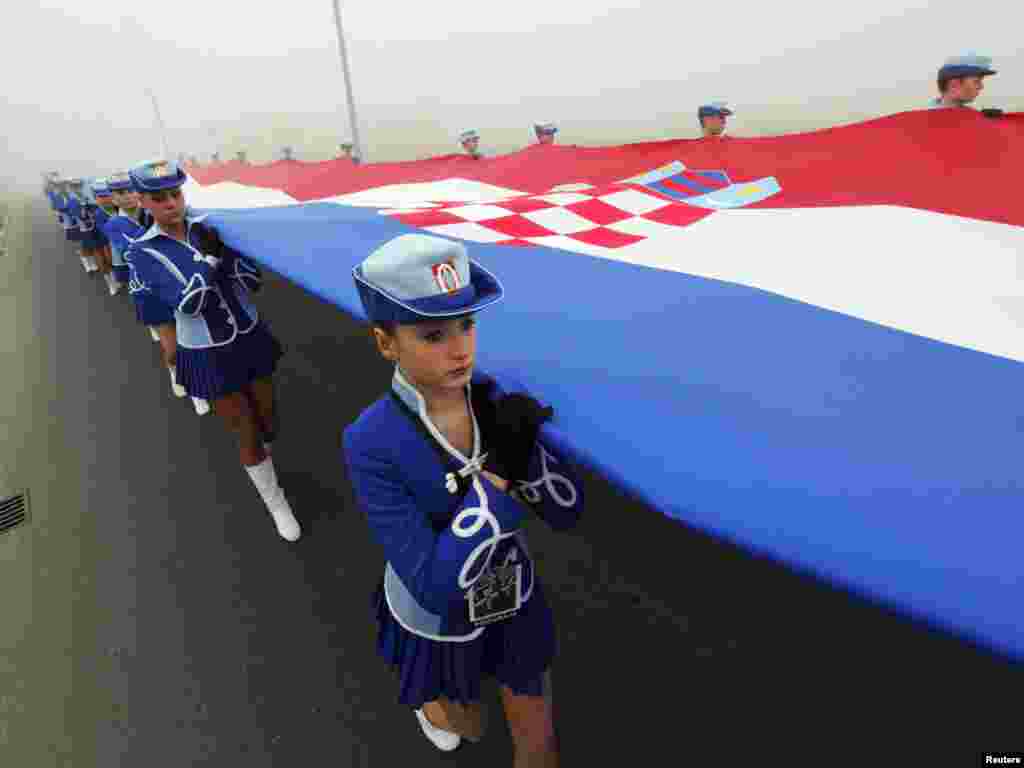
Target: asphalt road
(200,638)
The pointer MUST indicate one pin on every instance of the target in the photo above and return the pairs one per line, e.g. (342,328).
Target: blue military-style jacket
(121,229)
(209,294)
(64,213)
(441,524)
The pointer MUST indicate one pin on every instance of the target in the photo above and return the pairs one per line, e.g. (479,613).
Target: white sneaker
(85,264)
(153,334)
(202,406)
(92,264)
(444,740)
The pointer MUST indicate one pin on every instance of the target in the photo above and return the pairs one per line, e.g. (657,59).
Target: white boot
(265,479)
(176,388)
(202,406)
(153,334)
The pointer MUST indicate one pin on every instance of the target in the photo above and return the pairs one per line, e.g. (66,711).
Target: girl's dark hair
(389,327)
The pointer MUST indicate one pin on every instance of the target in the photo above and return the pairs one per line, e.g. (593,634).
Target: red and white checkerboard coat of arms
(446,276)
(604,217)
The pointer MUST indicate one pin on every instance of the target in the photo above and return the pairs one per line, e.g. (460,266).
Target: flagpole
(357,144)
(160,126)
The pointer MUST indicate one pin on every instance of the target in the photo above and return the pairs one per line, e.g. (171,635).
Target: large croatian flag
(810,345)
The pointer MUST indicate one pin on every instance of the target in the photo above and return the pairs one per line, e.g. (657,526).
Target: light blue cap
(157,175)
(416,277)
(967,65)
(543,129)
(713,109)
(120,182)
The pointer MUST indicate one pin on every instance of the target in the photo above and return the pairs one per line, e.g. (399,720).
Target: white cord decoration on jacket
(480,516)
(194,295)
(213,261)
(550,481)
(472,467)
(135,284)
(246,274)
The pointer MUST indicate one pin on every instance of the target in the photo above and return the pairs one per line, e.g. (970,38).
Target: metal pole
(358,145)
(160,126)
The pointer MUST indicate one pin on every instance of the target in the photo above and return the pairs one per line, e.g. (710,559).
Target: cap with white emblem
(415,277)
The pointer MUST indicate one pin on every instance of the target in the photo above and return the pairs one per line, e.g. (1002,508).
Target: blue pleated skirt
(92,240)
(218,371)
(149,310)
(515,652)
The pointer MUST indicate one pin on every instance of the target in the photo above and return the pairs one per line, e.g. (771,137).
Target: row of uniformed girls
(102,228)
(447,465)
(131,222)
(212,341)
(65,196)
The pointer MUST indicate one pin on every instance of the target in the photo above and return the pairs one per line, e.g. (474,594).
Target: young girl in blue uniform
(72,232)
(126,221)
(225,352)
(104,210)
(59,202)
(94,242)
(129,222)
(446,466)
